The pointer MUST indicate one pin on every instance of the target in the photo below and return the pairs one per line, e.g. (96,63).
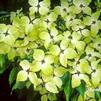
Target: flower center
(47,21)
(81,5)
(70,37)
(43,61)
(99,45)
(6,33)
(93,22)
(89,55)
(62,51)
(38,6)
(78,73)
(64,10)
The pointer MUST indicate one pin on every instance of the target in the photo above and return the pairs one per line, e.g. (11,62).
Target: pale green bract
(52,41)
(22,76)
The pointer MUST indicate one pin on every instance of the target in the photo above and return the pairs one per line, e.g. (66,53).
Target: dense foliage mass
(55,49)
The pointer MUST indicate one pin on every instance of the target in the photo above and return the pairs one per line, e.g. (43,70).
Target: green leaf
(18,85)
(28,84)
(67,87)
(97,95)
(87,10)
(96,15)
(42,90)
(75,97)
(81,88)
(52,97)
(67,90)
(12,75)
(64,78)
(3,63)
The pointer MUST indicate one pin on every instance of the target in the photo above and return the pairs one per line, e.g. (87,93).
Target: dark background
(6,6)
(13,5)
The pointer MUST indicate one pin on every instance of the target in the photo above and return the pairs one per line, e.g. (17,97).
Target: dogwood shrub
(50,44)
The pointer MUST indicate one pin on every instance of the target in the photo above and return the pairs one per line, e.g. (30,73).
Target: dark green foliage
(4,63)
(81,89)
(67,86)
(12,75)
